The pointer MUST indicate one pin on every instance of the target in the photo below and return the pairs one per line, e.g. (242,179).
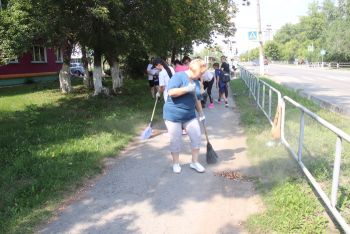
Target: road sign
(323,52)
(253,35)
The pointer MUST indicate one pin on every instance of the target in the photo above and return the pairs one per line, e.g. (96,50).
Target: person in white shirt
(234,67)
(165,74)
(153,80)
(208,81)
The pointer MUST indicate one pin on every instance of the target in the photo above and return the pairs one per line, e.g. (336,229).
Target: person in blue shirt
(223,86)
(219,83)
(179,112)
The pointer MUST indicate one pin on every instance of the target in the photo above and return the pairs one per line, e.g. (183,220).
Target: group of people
(184,88)
(159,73)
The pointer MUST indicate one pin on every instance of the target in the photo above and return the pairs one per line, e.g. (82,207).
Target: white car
(77,69)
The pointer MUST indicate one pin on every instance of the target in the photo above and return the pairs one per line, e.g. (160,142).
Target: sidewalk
(139,193)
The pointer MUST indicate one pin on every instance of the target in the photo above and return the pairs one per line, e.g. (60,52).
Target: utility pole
(261,48)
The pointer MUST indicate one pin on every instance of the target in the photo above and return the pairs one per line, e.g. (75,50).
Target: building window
(39,54)
(59,55)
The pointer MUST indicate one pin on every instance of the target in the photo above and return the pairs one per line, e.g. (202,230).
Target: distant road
(330,88)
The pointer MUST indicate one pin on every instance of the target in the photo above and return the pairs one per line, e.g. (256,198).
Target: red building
(41,64)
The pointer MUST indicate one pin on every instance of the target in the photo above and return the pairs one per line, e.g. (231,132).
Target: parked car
(77,69)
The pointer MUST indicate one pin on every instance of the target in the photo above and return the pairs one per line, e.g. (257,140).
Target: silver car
(77,69)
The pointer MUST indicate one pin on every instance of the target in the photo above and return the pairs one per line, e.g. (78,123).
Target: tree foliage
(159,26)
(18,31)
(176,25)
(324,27)
(272,50)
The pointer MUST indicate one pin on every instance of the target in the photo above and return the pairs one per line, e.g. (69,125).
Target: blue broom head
(211,156)
(147,133)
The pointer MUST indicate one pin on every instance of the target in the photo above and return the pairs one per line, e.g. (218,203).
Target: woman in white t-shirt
(152,74)
(165,74)
(208,81)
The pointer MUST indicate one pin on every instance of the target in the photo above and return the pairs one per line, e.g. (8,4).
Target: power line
(255,28)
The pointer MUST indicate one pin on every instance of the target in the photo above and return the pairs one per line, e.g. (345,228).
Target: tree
(179,24)
(337,43)
(285,34)
(272,50)
(18,29)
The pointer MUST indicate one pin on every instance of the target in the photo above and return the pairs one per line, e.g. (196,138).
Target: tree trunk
(103,67)
(64,75)
(97,75)
(117,79)
(87,78)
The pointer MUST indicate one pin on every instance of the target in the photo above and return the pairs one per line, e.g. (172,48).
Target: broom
(148,131)
(211,156)
(276,126)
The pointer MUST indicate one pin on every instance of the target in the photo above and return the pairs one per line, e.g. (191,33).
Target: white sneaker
(176,168)
(197,166)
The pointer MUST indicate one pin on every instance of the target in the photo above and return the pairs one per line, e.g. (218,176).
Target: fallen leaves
(229,174)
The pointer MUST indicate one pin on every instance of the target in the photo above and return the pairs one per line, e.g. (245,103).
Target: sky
(275,13)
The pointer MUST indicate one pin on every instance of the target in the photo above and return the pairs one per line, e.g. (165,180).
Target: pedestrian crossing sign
(253,35)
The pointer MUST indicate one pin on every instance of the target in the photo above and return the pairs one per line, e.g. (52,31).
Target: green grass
(319,146)
(50,143)
(291,205)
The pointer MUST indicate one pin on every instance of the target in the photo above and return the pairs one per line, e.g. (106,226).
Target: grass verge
(291,205)
(50,143)
(319,146)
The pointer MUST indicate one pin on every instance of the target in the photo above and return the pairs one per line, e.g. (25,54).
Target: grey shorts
(175,133)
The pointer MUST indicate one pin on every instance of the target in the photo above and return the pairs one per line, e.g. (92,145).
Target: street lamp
(268,32)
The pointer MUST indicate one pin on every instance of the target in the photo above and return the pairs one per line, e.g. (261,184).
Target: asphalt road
(330,88)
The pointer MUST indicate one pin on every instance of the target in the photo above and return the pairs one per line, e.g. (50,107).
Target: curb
(319,101)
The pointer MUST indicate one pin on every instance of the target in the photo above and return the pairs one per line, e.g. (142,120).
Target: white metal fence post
(336,171)
(270,102)
(301,135)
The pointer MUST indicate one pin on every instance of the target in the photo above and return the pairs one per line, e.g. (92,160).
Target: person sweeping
(179,112)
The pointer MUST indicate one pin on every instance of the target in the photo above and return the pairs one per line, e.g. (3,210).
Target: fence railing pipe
(263,97)
(336,171)
(258,94)
(331,127)
(270,103)
(301,135)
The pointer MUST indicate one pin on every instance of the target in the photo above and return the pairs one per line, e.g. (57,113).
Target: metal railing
(338,65)
(254,83)
(266,96)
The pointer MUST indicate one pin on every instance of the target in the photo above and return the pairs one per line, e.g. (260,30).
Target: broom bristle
(212,157)
(146,133)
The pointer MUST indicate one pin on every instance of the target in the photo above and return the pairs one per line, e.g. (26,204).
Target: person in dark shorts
(223,89)
(153,80)
(208,81)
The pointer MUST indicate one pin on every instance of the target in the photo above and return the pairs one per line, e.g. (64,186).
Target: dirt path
(140,194)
